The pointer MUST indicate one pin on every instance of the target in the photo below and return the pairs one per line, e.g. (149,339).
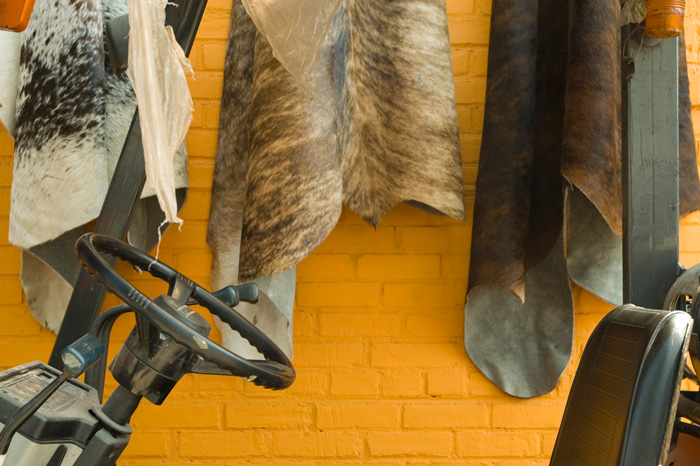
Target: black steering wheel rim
(275,373)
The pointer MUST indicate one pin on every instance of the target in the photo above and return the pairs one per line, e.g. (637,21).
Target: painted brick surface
(383,378)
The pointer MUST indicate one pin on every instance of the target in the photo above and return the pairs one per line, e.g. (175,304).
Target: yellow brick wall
(383,378)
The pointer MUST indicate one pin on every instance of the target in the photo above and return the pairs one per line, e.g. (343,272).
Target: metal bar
(124,190)
(650,168)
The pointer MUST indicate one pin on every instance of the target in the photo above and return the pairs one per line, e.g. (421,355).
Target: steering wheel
(276,372)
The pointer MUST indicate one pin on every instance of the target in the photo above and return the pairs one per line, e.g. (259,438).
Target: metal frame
(650,167)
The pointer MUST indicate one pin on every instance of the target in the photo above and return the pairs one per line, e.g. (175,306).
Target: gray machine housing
(68,430)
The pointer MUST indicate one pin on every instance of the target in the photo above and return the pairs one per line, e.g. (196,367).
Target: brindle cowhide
(378,127)
(72,116)
(549,195)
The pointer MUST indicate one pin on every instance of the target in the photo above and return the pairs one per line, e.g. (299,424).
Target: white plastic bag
(295,30)
(633,11)
(157,67)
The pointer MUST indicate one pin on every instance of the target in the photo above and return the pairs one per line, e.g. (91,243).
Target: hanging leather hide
(378,127)
(549,195)
(72,116)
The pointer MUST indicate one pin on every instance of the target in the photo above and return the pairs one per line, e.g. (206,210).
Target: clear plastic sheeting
(295,29)
(633,11)
(157,67)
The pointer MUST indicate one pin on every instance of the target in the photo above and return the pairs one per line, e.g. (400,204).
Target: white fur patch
(9,77)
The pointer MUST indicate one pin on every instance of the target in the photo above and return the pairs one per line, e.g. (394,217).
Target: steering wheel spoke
(181,288)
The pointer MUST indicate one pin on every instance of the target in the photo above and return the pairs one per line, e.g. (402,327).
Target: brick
(12,261)
(323,267)
(527,416)
(206,86)
(480,386)
(212,28)
(483,6)
(201,172)
(455,267)
(497,443)
(22,351)
(403,214)
(214,55)
(10,291)
(410,443)
(355,384)
(455,462)
(548,441)
(425,294)
(197,206)
(460,61)
(6,167)
(218,444)
(201,143)
(478,61)
(350,239)
(477,119)
(416,355)
(528,462)
(316,444)
(143,444)
(446,415)
(7,144)
(194,264)
(170,415)
(469,91)
(16,321)
(398,267)
(459,7)
(359,324)
(189,235)
(267,415)
(436,239)
(325,355)
(468,31)
(445,324)
(304,324)
(308,382)
(355,415)
(212,112)
(338,294)
(404,384)
(197,115)
(446,384)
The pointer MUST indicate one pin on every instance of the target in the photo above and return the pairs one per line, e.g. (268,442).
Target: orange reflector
(14,14)
(665,18)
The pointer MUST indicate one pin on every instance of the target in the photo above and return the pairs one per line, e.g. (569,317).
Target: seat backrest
(623,400)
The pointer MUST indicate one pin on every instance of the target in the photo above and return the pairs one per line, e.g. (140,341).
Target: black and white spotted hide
(72,117)
(378,127)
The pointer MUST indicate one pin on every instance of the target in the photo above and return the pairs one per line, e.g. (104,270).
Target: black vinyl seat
(623,400)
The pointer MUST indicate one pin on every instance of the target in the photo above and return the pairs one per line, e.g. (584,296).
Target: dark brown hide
(378,127)
(551,146)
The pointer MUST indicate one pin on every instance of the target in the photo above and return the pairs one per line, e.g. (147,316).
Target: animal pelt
(549,189)
(72,117)
(379,126)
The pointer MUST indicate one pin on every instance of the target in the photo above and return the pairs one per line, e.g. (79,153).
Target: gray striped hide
(71,118)
(378,127)
(548,201)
